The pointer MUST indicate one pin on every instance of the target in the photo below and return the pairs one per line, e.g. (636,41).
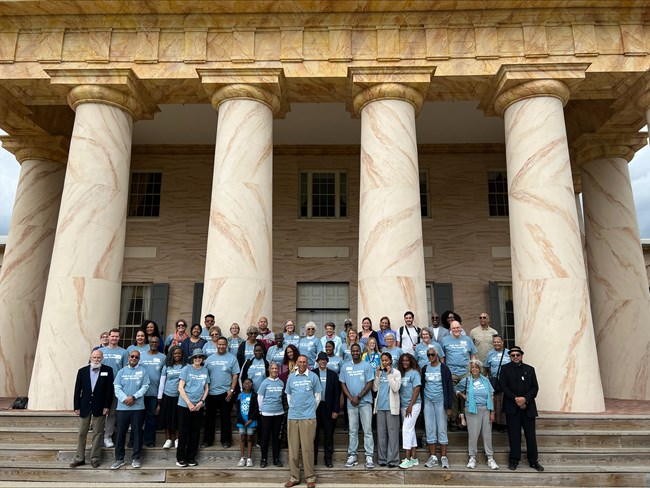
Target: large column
(238,280)
(620,302)
(83,288)
(27,254)
(551,296)
(391,255)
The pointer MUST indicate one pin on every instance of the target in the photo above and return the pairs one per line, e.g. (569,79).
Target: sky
(639,174)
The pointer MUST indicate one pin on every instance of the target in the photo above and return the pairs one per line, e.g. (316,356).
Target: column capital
(592,146)
(409,84)
(51,148)
(262,85)
(515,82)
(116,87)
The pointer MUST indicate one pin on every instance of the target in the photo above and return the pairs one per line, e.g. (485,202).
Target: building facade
(399,201)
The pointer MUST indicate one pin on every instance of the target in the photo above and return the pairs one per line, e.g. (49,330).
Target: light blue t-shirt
(410,380)
(172,374)
(153,363)
(133,347)
(334,363)
(271,390)
(205,333)
(249,351)
(383,393)
(458,352)
(355,377)
(421,352)
(131,382)
(433,384)
(338,344)
(221,369)
(195,381)
(291,339)
(257,373)
(493,358)
(233,345)
(209,348)
(395,352)
(480,391)
(310,347)
(302,389)
(275,354)
(116,358)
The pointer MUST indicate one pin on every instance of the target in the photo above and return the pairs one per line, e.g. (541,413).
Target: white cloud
(9,170)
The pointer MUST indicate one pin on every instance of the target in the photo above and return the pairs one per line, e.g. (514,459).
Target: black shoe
(192,463)
(512,466)
(537,467)
(77,463)
(225,445)
(205,444)
(329,464)
(391,465)
(263,463)
(150,444)
(277,463)
(382,465)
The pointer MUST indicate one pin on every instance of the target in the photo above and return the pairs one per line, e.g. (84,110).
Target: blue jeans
(435,422)
(126,418)
(363,412)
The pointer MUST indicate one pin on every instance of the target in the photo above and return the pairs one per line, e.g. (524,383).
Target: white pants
(409,438)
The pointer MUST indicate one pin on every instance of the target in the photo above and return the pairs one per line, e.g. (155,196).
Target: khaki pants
(301,438)
(98,437)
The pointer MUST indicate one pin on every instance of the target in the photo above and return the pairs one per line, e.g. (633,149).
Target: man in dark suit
(328,408)
(93,396)
(519,385)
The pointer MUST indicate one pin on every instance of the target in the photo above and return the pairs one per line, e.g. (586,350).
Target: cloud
(640,176)
(9,170)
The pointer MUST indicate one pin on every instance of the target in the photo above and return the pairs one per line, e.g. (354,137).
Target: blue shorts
(246,430)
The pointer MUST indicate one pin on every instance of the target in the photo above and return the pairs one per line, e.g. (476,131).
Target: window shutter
(443,297)
(197,303)
(158,312)
(495,309)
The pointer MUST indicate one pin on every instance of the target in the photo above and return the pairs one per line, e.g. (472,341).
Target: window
(144,194)
(503,314)
(424,194)
(323,195)
(322,302)
(498,194)
(135,306)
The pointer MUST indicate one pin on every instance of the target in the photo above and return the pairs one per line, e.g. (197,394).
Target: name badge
(104,373)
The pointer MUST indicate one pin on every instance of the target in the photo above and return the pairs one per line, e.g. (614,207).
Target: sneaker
(405,464)
(167,444)
(444,462)
(432,462)
(369,463)
(176,443)
(108,442)
(415,462)
(136,463)
(472,463)
(117,464)
(492,464)
(181,464)
(352,461)
(242,462)
(249,462)
(192,463)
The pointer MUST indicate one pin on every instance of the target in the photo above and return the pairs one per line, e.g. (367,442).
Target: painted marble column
(553,322)
(238,282)
(620,301)
(27,254)
(83,288)
(391,256)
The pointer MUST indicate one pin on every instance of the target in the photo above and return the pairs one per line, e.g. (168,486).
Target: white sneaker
(352,461)
(249,462)
(415,462)
(472,463)
(492,464)
(406,463)
(167,444)
(242,462)
(136,463)
(432,462)
(176,443)
(369,463)
(444,462)
(108,442)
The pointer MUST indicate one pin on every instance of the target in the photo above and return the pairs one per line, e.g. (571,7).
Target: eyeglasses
(482,317)
(215,334)
(134,356)
(251,333)
(432,355)
(514,354)
(181,326)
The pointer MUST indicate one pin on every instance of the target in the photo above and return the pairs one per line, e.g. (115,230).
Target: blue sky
(639,172)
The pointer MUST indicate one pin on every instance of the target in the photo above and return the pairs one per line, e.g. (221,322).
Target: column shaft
(83,288)
(25,270)
(551,298)
(391,255)
(239,260)
(620,302)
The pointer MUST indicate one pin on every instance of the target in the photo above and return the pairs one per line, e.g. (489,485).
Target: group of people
(290,386)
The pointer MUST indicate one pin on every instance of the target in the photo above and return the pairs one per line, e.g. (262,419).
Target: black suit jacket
(94,402)
(332,392)
(518,381)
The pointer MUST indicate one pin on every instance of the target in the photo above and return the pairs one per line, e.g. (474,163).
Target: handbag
(494,380)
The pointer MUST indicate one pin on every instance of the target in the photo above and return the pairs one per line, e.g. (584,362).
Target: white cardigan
(394,383)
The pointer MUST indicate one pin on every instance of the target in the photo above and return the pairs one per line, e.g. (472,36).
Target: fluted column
(391,256)
(553,321)
(83,288)
(620,301)
(27,254)
(238,282)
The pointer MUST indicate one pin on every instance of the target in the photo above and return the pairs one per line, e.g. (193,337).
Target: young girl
(247,410)
(371,353)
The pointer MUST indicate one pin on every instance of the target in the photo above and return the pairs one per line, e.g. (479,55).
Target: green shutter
(443,297)
(197,303)
(158,311)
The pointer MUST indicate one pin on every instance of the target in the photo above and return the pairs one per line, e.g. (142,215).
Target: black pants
(326,423)
(515,422)
(189,426)
(270,430)
(214,404)
(134,419)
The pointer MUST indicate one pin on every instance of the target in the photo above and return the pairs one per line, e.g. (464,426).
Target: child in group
(247,412)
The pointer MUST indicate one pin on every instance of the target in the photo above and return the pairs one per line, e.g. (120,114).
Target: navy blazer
(94,402)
